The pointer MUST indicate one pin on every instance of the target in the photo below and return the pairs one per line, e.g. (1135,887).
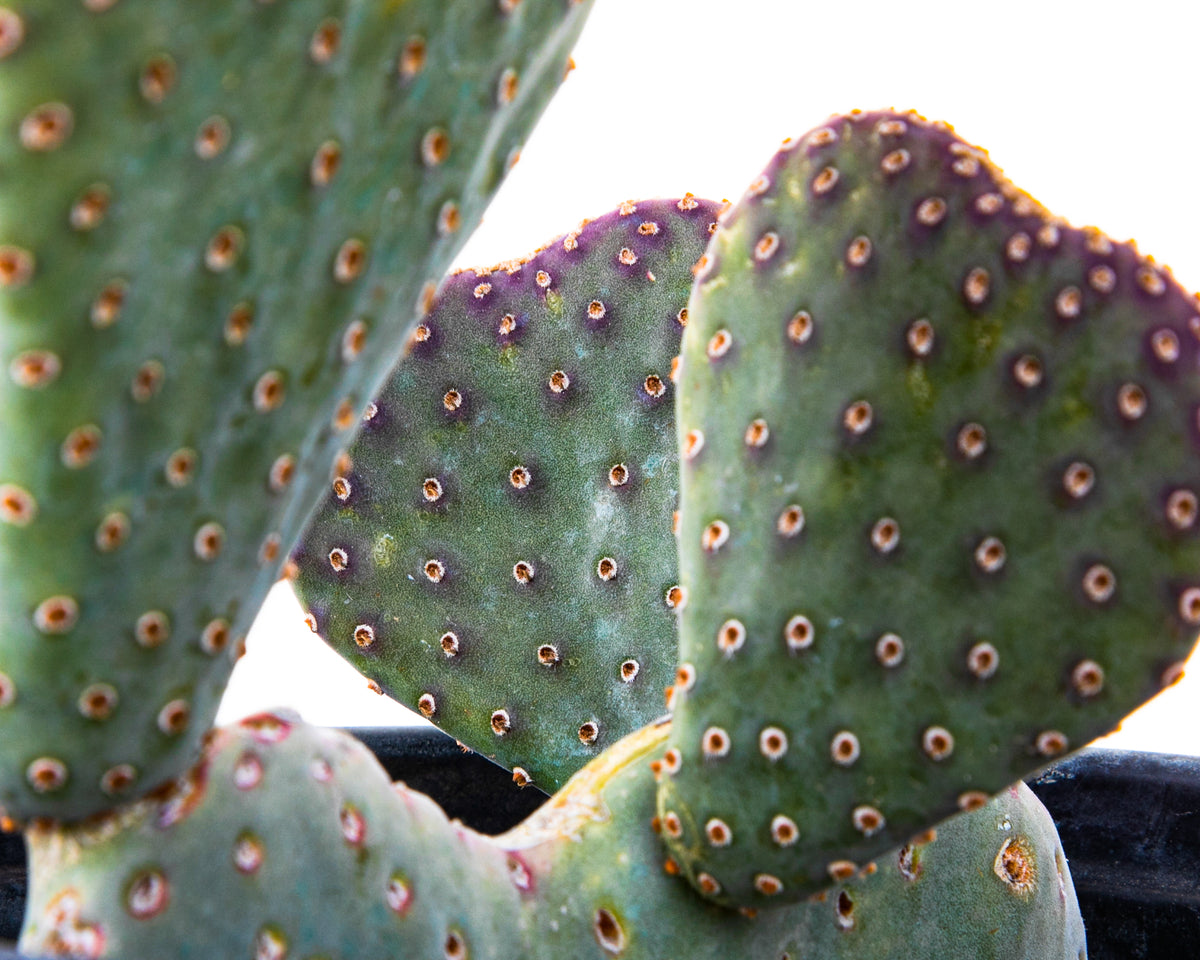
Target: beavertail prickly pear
(285,841)
(939,503)
(499,553)
(217,222)
(992,883)
(288,841)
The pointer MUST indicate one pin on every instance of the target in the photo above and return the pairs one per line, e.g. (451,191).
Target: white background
(1091,107)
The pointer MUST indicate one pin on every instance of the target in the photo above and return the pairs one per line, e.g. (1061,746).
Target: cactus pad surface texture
(499,554)
(217,223)
(940,473)
(288,841)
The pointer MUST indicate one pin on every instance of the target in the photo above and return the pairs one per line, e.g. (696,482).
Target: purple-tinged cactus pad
(218,221)
(499,554)
(941,468)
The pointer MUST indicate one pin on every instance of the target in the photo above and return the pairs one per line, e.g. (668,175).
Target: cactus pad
(499,554)
(218,220)
(992,883)
(939,502)
(288,841)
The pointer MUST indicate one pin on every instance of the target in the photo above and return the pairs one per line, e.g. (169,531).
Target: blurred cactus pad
(939,502)
(218,222)
(499,553)
(289,841)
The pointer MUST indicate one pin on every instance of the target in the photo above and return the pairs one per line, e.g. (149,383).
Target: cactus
(289,841)
(989,884)
(938,496)
(499,554)
(217,219)
(938,524)
(285,840)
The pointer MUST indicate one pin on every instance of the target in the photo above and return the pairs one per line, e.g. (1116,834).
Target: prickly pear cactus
(289,841)
(286,841)
(499,554)
(217,221)
(939,502)
(991,884)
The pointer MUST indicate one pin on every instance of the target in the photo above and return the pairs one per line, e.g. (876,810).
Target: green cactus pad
(991,884)
(500,555)
(286,841)
(938,496)
(218,220)
(289,841)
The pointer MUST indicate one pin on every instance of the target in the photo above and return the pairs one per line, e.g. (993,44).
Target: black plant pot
(1129,822)
(1130,826)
